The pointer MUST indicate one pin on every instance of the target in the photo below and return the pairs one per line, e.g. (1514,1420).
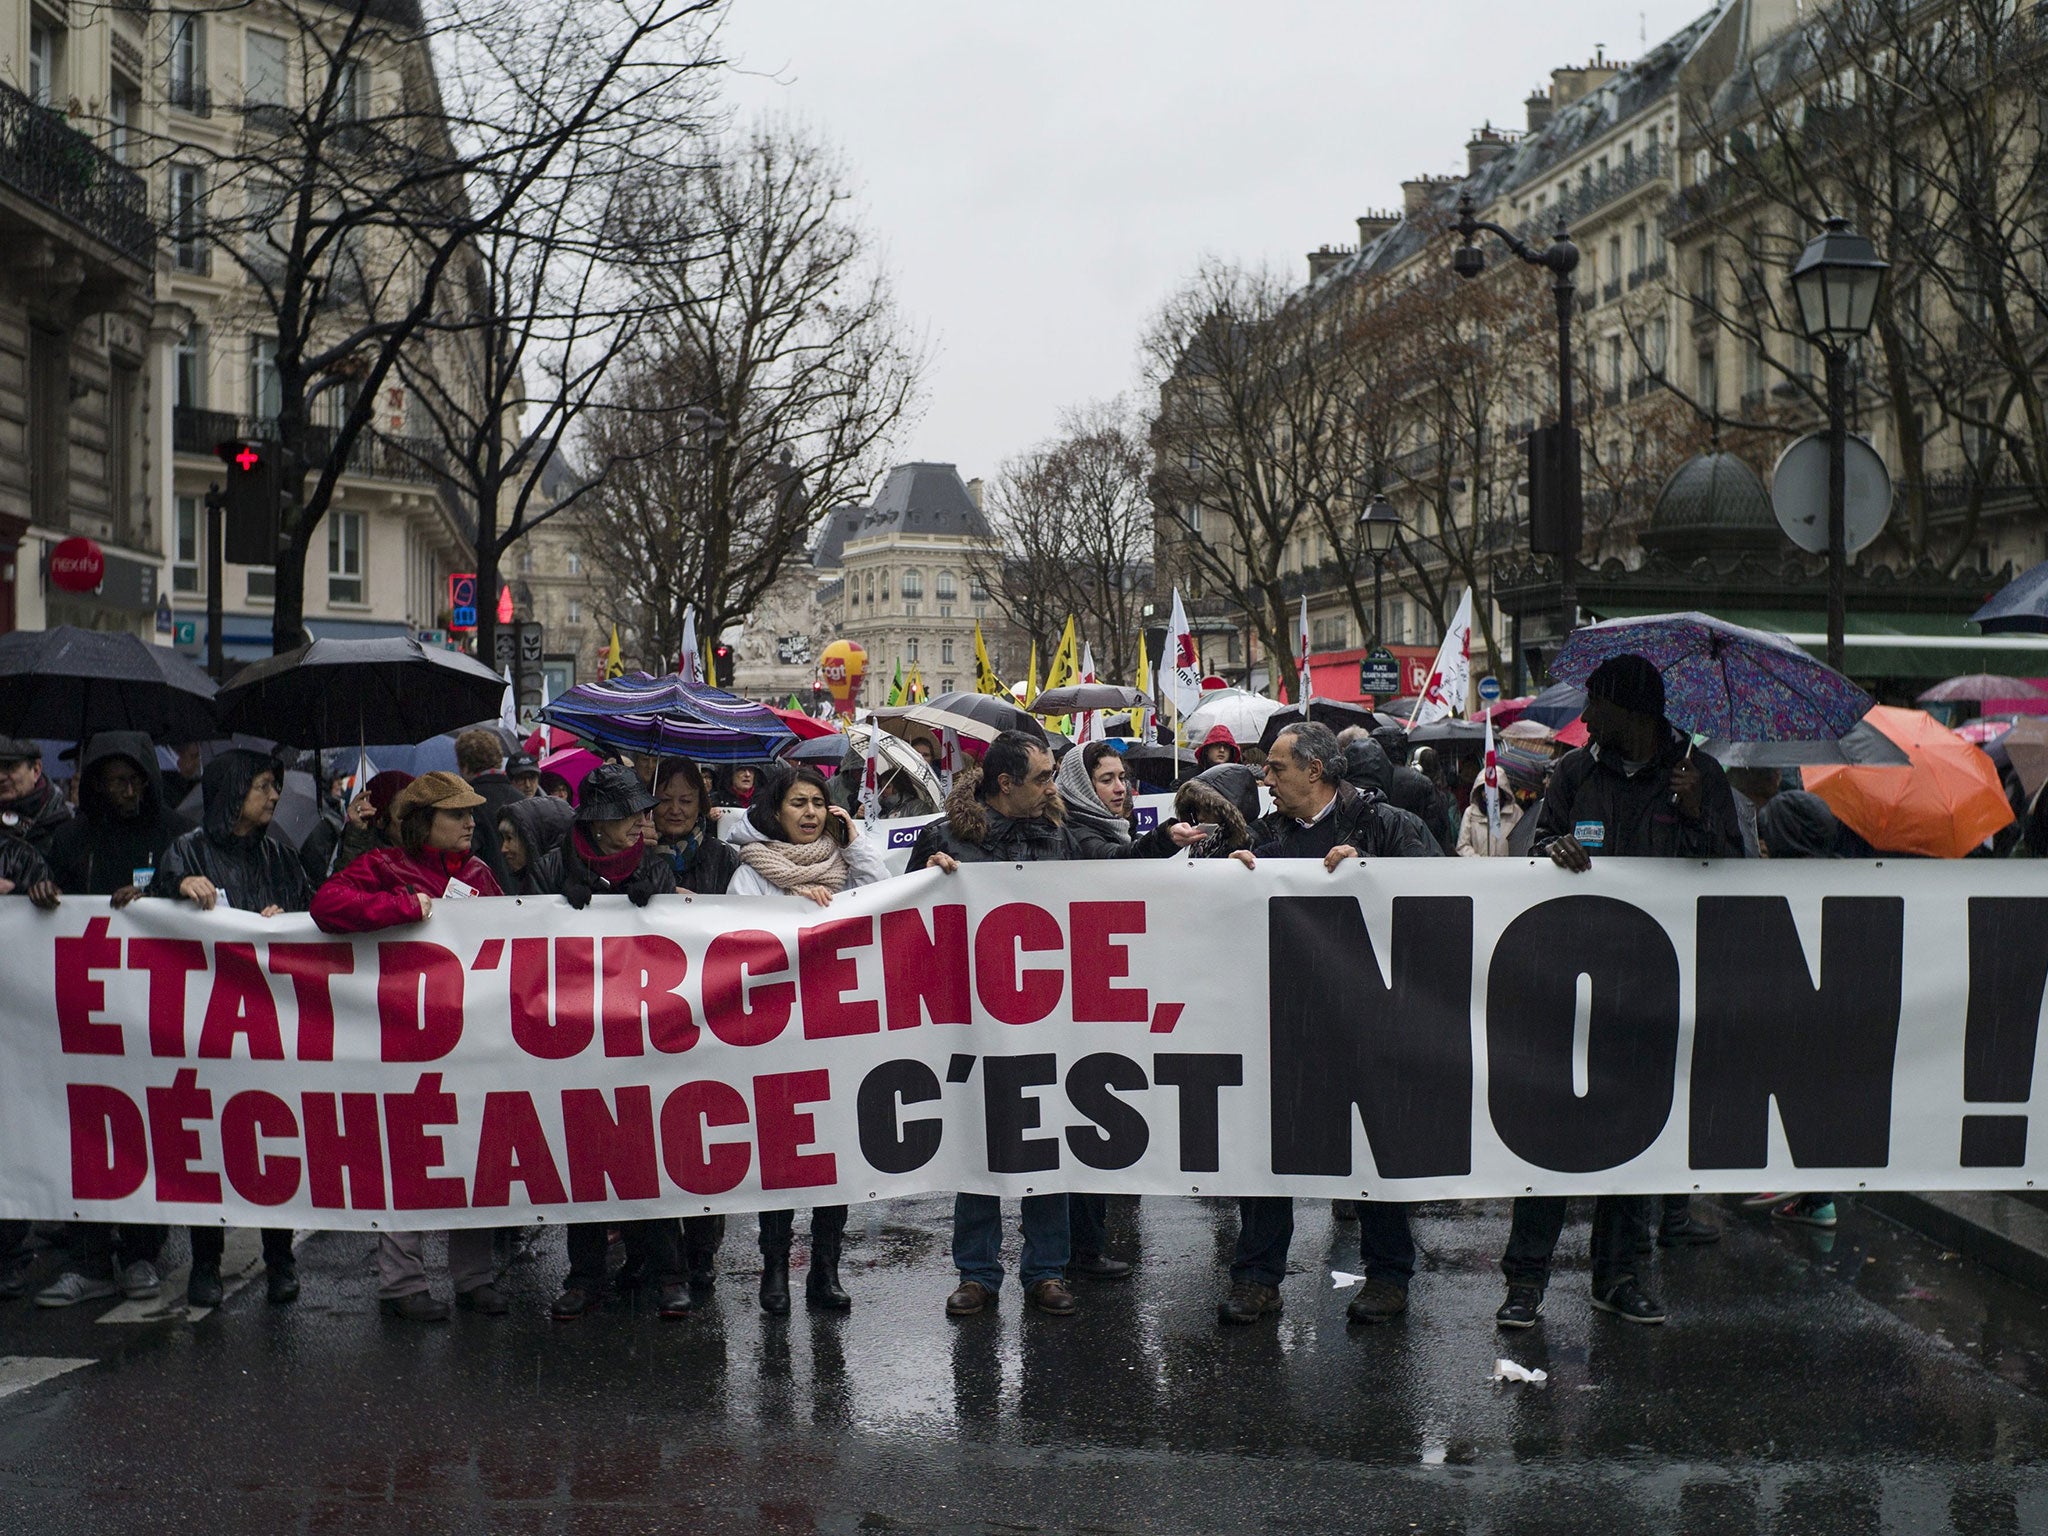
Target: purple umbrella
(669,717)
(1722,680)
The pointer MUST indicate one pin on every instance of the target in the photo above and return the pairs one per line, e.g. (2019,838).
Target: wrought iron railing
(374,454)
(47,160)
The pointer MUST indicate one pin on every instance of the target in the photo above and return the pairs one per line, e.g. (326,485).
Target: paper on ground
(1507,1370)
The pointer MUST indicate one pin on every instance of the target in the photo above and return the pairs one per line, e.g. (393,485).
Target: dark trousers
(1265,1230)
(1087,1225)
(100,1242)
(828,1229)
(13,1234)
(653,1248)
(1619,1222)
(209,1243)
(1386,1248)
(702,1236)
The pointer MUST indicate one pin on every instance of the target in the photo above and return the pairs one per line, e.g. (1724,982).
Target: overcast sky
(1042,175)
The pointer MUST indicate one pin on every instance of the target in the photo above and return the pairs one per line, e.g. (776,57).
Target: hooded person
(528,830)
(433,818)
(686,829)
(1225,797)
(1521,781)
(1408,788)
(31,807)
(607,852)
(1219,746)
(369,823)
(111,847)
(230,858)
(1095,800)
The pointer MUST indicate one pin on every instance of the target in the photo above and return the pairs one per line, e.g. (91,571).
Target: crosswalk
(241,1261)
(20,1372)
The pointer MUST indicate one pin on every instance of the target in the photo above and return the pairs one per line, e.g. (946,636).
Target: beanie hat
(1633,682)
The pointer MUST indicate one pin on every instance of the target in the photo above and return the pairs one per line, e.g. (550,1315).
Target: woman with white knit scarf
(793,842)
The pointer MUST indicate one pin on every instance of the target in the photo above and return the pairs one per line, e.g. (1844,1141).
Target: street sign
(433,637)
(504,649)
(462,618)
(1379,673)
(1799,493)
(166,621)
(462,600)
(1489,689)
(186,633)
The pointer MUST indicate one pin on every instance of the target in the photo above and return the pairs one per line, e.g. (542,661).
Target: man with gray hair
(1317,815)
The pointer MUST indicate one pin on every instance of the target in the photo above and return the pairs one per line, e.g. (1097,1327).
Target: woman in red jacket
(385,888)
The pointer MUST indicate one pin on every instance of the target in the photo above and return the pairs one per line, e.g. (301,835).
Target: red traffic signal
(252,501)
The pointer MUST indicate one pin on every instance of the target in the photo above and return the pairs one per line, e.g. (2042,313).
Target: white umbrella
(900,756)
(1242,714)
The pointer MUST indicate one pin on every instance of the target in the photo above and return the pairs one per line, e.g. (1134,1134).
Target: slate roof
(915,499)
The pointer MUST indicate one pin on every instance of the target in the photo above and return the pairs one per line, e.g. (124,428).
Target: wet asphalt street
(1861,1383)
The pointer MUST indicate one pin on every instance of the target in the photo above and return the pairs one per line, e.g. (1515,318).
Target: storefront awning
(1901,645)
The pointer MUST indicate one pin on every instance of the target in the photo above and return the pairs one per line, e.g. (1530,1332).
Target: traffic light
(721,658)
(1554,488)
(251,501)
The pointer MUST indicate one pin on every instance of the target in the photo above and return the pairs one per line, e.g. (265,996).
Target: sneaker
(1689,1233)
(1097,1266)
(1247,1302)
(1051,1297)
(71,1287)
(141,1282)
(1377,1301)
(970,1297)
(16,1275)
(1807,1211)
(415,1307)
(1763,1202)
(202,1287)
(485,1298)
(1631,1303)
(1523,1306)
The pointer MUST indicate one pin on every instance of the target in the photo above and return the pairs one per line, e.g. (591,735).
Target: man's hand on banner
(1566,853)
(200,891)
(123,896)
(944,863)
(44,894)
(1245,857)
(1338,855)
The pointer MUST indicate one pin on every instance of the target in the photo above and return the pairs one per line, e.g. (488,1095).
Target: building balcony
(58,168)
(1609,292)
(375,456)
(1598,192)
(190,97)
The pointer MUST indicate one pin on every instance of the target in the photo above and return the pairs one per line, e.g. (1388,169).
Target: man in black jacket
(1005,814)
(31,807)
(1318,815)
(111,847)
(1635,790)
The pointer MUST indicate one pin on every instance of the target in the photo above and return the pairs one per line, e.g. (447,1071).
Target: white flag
(949,759)
(508,712)
(1091,719)
(1491,778)
(1180,669)
(871,777)
(1308,683)
(688,667)
(1450,679)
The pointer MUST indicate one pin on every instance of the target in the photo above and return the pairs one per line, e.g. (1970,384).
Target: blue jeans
(978,1239)
(1386,1250)
(1265,1229)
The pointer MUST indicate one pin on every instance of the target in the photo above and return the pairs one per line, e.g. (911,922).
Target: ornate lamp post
(1379,530)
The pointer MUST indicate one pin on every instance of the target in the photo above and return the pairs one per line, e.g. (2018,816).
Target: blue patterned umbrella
(671,717)
(1722,680)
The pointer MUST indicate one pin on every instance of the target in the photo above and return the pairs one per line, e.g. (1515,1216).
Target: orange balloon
(1942,804)
(844,664)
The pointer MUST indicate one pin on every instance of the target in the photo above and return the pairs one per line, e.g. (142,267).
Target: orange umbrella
(1943,803)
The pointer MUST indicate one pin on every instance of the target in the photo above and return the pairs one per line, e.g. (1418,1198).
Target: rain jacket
(378,889)
(541,822)
(1097,832)
(1363,819)
(252,872)
(1219,736)
(1226,797)
(21,864)
(864,865)
(37,815)
(971,833)
(98,851)
(1614,813)
(1374,765)
(704,862)
(563,871)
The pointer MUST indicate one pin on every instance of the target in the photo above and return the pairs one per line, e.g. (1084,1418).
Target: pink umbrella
(573,764)
(1506,711)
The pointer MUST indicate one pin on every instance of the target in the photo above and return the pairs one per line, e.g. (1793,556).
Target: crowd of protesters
(385,852)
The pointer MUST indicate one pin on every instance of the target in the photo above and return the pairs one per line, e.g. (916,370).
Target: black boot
(775,1284)
(822,1291)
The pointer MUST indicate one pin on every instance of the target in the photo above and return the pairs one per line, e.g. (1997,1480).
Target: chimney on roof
(1484,147)
(1538,106)
(974,492)
(1372,225)
(1323,260)
(1569,84)
(1415,194)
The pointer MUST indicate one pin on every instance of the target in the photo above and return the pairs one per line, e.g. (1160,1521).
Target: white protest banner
(1400,1029)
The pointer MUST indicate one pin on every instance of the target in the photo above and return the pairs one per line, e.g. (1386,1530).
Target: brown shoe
(1052,1297)
(1377,1301)
(969,1299)
(1247,1302)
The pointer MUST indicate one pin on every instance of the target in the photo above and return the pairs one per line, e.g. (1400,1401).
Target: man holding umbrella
(1635,790)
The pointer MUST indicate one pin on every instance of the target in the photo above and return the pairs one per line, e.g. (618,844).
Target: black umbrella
(1449,734)
(1158,764)
(819,749)
(980,715)
(337,693)
(1864,747)
(1557,706)
(69,684)
(1335,713)
(1079,697)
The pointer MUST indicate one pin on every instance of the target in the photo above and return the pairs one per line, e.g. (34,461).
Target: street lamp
(1379,530)
(1836,281)
(1560,258)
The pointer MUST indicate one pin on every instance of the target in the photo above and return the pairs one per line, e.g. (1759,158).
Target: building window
(945,685)
(871,587)
(1614,363)
(977,591)
(262,584)
(913,584)
(186,552)
(575,610)
(352,92)
(1709,384)
(263,72)
(946,652)
(266,395)
(910,610)
(270,233)
(345,556)
(1660,342)
(42,63)
(188,212)
(912,644)
(947,591)
(525,562)
(188,61)
(1642,238)
(124,111)
(575,563)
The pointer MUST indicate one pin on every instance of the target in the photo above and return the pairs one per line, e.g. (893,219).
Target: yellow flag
(1066,661)
(1143,685)
(710,668)
(985,678)
(613,667)
(1031,678)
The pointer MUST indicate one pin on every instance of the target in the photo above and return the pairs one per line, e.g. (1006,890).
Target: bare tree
(764,390)
(1073,521)
(372,154)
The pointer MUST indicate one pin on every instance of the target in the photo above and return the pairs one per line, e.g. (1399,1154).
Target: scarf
(612,868)
(683,853)
(1084,806)
(792,866)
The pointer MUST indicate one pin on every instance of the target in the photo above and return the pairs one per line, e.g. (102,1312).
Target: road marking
(240,1261)
(20,1372)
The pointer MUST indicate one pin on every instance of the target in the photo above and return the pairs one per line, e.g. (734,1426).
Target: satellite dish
(1799,493)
